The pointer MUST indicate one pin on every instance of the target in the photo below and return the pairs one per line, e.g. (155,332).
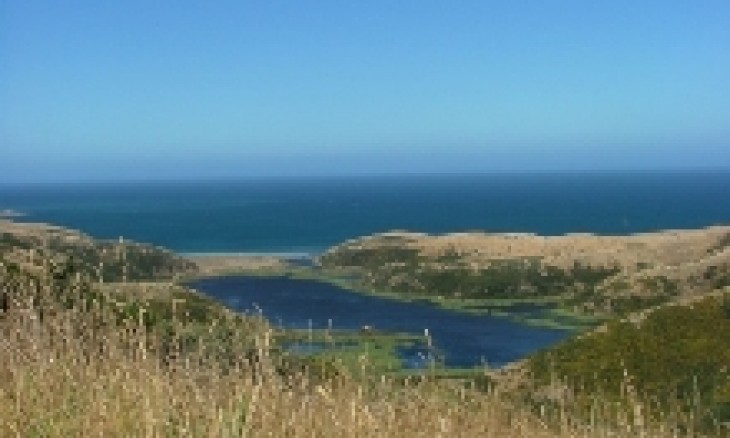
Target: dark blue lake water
(308,215)
(465,340)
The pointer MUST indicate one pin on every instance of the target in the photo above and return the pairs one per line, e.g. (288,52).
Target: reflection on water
(419,357)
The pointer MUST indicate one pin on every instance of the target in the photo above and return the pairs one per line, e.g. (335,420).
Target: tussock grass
(71,368)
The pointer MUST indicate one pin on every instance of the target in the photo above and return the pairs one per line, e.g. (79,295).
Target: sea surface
(309,215)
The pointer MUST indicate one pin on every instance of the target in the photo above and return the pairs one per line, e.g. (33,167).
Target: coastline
(244,254)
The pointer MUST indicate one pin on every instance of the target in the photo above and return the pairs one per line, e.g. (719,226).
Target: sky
(105,90)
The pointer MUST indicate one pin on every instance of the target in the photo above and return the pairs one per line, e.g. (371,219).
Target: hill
(578,274)
(672,356)
(32,245)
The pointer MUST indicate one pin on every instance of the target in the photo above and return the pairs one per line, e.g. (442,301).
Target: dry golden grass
(77,372)
(661,249)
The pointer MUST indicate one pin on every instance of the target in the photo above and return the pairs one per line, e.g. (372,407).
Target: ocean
(308,215)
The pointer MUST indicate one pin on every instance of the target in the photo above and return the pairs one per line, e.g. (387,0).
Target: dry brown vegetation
(70,367)
(664,248)
(79,357)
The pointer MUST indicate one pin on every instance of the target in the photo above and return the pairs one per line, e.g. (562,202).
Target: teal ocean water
(309,215)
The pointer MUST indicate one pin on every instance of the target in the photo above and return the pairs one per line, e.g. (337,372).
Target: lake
(465,340)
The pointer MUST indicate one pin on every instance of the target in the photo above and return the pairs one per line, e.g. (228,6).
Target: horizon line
(366,175)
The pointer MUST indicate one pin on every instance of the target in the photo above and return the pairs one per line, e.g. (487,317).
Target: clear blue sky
(152,89)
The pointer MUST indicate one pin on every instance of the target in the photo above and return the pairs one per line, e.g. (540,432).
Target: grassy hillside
(677,354)
(65,251)
(600,276)
(79,358)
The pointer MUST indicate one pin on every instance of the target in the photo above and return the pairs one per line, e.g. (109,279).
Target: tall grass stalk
(73,369)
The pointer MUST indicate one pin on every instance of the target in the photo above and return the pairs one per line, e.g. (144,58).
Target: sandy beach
(228,263)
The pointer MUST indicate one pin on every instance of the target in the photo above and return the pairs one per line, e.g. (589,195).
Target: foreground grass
(72,363)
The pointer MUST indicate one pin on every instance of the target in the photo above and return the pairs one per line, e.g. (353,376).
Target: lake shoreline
(315,308)
(279,265)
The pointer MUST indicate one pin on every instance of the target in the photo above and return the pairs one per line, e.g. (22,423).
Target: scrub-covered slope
(581,273)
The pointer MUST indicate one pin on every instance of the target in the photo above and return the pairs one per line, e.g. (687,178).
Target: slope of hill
(580,273)
(31,245)
(673,356)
